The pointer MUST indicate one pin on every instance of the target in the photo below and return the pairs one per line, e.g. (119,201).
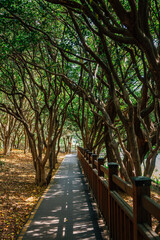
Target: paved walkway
(67,209)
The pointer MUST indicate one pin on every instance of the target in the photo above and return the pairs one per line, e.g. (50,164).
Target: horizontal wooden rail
(95,171)
(147,232)
(126,208)
(127,188)
(124,222)
(151,206)
(96,163)
(104,170)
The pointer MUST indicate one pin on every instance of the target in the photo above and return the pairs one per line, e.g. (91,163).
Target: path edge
(32,214)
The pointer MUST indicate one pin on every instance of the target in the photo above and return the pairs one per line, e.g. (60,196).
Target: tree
(47,101)
(36,96)
(7,126)
(111,44)
(90,125)
(127,30)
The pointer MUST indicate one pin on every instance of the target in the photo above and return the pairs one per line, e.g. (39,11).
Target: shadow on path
(66,211)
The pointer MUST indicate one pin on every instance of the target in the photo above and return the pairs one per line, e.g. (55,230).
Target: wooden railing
(124,222)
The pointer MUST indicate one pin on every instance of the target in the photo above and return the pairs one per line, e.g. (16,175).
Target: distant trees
(90,125)
(11,133)
(7,125)
(67,140)
(38,95)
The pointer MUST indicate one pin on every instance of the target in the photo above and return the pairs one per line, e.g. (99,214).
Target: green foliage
(47,54)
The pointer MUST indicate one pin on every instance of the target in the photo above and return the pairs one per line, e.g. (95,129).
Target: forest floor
(18,192)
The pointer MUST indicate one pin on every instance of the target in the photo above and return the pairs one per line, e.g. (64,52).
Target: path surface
(67,210)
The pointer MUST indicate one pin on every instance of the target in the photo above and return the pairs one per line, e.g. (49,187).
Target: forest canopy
(94,65)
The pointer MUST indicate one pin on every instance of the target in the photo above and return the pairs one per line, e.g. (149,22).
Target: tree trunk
(40,178)
(65,145)
(52,163)
(6,145)
(43,176)
(109,150)
(18,143)
(53,156)
(26,142)
(51,167)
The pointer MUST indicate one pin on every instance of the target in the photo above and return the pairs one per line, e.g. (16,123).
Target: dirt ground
(18,192)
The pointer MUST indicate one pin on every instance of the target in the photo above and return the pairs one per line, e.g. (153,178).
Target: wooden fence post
(94,158)
(83,161)
(100,162)
(141,187)
(100,174)
(112,170)
(90,154)
(85,152)
(89,169)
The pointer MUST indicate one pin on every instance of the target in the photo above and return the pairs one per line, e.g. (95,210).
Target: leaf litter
(18,192)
